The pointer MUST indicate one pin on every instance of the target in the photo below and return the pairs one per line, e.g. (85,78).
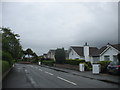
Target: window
(106,58)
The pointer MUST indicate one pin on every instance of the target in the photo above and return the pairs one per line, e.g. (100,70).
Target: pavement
(88,74)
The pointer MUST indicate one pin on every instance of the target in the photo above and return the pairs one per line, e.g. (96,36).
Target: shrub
(7,57)
(88,66)
(48,62)
(104,65)
(74,61)
(5,66)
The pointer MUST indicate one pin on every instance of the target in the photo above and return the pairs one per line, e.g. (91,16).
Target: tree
(11,43)
(29,52)
(35,57)
(60,55)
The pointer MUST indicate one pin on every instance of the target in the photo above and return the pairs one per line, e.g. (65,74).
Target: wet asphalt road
(34,76)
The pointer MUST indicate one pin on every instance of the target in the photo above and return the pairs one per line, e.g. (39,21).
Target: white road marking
(48,73)
(66,80)
(26,71)
(40,69)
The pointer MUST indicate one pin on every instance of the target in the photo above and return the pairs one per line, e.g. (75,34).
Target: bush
(7,57)
(88,66)
(48,62)
(104,65)
(5,66)
(74,61)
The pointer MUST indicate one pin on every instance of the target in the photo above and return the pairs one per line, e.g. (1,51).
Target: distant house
(106,53)
(45,56)
(28,56)
(78,52)
(51,54)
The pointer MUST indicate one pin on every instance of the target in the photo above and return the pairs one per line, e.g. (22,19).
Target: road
(34,76)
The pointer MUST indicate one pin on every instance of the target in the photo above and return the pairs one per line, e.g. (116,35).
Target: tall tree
(35,57)
(11,43)
(60,55)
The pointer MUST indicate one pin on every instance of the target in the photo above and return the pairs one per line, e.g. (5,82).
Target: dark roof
(80,50)
(99,51)
(92,50)
(116,46)
(52,51)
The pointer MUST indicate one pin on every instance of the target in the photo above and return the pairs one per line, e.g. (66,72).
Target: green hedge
(7,57)
(48,62)
(74,61)
(104,65)
(5,66)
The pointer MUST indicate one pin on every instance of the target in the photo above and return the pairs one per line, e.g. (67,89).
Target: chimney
(86,51)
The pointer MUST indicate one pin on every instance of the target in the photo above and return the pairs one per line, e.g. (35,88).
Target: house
(45,56)
(51,54)
(106,53)
(78,52)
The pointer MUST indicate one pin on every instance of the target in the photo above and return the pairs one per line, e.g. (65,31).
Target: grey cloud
(43,26)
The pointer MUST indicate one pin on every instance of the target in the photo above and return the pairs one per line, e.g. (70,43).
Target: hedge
(104,65)
(48,62)
(74,61)
(5,66)
(7,57)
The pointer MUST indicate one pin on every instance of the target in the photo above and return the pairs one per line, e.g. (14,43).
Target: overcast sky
(50,25)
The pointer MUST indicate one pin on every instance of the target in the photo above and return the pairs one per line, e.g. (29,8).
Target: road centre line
(48,73)
(66,80)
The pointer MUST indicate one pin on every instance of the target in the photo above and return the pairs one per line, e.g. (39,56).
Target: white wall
(110,52)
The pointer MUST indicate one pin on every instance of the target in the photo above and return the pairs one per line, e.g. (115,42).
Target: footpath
(88,74)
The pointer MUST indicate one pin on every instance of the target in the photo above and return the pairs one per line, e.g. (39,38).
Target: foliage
(5,66)
(35,57)
(29,52)
(7,57)
(48,62)
(60,55)
(104,65)
(11,43)
(87,65)
(74,61)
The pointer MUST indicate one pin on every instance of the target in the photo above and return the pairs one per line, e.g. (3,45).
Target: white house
(106,53)
(78,52)
(51,54)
